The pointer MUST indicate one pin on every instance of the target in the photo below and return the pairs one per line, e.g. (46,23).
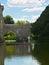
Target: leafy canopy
(21,22)
(41,27)
(8,20)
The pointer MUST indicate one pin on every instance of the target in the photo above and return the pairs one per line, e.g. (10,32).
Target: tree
(9,36)
(8,20)
(21,22)
(41,27)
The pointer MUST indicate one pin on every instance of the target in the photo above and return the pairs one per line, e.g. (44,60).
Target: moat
(18,55)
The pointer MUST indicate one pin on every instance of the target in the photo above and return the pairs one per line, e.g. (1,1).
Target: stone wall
(20,30)
(1,20)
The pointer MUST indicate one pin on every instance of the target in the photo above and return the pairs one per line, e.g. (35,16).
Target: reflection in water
(21,60)
(18,55)
(1,55)
(16,50)
(41,52)
(9,50)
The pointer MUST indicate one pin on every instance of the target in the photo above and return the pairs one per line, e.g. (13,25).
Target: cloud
(23,18)
(2,4)
(29,6)
(33,9)
(24,3)
(34,18)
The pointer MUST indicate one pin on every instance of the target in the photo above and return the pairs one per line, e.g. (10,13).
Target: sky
(28,10)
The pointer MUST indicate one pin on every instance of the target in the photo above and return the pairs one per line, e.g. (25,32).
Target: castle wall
(20,30)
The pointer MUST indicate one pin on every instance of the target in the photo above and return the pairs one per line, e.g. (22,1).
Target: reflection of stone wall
(21,50)
(1,56)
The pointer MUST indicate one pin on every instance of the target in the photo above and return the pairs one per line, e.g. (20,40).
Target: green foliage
(21,22)
(9,36)
(32,37)
(9,49)
(8,20)
(41,27)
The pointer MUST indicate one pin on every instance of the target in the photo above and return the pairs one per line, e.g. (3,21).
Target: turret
(1,8)
(1,19)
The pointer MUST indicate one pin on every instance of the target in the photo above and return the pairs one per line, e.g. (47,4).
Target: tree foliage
(8,20)
(41,27)
(21,22)
(9,36)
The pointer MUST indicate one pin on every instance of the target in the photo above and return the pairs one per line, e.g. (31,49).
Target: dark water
(41,52)
(19,55)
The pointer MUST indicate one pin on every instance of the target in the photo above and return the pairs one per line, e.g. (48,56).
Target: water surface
(18,55)
(21,60)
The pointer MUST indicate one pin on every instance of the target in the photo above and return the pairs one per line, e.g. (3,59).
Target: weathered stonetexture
(1,20)
(20,30)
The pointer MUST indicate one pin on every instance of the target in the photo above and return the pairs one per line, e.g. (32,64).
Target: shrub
(9,36)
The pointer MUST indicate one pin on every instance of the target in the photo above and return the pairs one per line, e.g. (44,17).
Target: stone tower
(1,20)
